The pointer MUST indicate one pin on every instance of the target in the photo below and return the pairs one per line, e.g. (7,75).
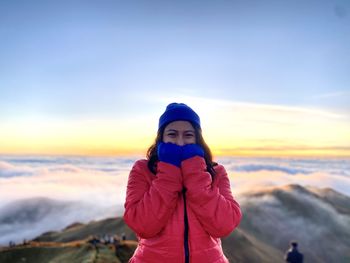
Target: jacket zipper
(187,250)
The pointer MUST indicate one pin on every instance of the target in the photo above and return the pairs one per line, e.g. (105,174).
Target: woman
(178,201)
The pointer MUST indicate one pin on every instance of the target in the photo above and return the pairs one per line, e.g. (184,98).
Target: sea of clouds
(249,173)
(44,193)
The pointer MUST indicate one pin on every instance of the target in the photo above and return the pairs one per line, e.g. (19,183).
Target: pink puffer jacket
(169,226)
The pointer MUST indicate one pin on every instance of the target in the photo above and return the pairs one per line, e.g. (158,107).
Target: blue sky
(64,60)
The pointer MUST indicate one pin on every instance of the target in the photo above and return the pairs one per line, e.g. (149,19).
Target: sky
(267,78)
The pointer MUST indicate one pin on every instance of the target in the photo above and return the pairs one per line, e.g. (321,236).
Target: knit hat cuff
(178,112)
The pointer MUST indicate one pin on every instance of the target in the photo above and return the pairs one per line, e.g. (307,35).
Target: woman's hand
(169,153)
(175,154)
(190,150)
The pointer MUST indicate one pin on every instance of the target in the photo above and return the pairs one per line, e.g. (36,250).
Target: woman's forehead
(180,126)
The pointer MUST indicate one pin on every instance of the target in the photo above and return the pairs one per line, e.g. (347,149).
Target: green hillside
(73,252)
(240,247)
(78,231)
(318,219)
(48,254)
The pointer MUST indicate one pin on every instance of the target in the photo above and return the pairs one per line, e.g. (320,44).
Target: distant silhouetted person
(293,255)
(12,244)
(95,241)
(117,245)
(106,239)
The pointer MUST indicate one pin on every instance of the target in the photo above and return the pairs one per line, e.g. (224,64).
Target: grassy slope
(318,219)
(77,252)
(110,226)
(240,247)
(48,254)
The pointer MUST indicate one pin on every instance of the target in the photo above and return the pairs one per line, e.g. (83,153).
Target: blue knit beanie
(178,112)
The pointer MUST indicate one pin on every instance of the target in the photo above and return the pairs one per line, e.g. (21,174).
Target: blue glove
(169,153)
(190,150)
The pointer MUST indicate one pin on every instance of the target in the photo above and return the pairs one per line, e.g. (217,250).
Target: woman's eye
(171,134)
(189,135)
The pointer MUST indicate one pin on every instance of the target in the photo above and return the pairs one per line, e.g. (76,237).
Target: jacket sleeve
(149,203)
(212,202)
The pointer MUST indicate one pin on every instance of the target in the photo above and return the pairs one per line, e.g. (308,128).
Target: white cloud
(332,94)
(101,182)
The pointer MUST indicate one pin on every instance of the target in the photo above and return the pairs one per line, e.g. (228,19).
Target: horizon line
(238,154)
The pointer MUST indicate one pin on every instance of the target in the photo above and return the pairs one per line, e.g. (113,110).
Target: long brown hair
(152,155)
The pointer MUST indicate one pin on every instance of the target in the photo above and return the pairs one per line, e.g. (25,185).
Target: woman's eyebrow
(171,130)
(178,130)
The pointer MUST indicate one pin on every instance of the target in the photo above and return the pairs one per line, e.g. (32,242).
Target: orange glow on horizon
(141,151)
(229,128)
